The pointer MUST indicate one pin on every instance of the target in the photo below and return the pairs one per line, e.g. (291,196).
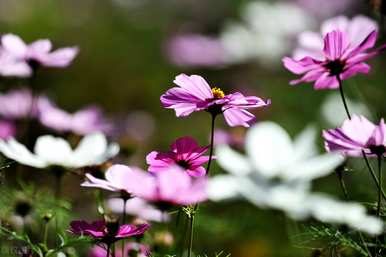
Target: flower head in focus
(49,151)
(138,208)
(107,232)
(194,94)
(85,121)
(357,135)
(184,152)
(341,60)
(277,173)
(24,58)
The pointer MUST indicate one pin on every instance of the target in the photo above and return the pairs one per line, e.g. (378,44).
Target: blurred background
(130,52)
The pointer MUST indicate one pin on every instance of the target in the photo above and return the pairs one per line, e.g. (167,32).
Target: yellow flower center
(217,92)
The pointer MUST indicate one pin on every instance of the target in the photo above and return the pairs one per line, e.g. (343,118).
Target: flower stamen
(218,93)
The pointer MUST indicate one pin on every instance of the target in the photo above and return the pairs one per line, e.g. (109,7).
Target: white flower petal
(232,161)
(54,150)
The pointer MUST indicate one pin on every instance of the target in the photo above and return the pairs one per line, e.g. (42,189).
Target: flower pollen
(218,93)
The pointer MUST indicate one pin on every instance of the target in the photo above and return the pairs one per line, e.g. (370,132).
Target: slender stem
(191,217)
(364,244)
(45,233)
(124,222)
(342,184)
(108,250)
(343,97)
(211,144)
(372,173)
(380,184)
(191,228)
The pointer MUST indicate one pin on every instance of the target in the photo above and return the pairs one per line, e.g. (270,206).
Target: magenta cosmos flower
(38,53)
(194,94)
(7,129)
(118,178)
(357,135)
(85,121)
(184,152)
(340,60)
(107,232)
(311,43)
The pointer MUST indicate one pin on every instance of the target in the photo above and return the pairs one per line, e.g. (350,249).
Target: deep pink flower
(85,121)
(38,53)
(194,94)
(18,104)
(132,249)
(195,50)
(119,178)
(184,152)
(340,59)
(106,232)
(357,135)
(357,29)
(7,129)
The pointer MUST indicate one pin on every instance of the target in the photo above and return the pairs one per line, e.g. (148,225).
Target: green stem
(45,234)
(380,185)
(191,217)
(372,173)
(124,222)
(342,184)
(108,250)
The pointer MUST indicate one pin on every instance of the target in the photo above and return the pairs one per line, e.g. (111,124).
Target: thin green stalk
(45,234)
(372,173)
(191,217)
(342,184)
(124,222)
(379,206)
(108,250)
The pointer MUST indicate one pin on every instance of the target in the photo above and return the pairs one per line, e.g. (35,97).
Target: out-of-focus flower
(327,9)
(184,152)
(82,122)
(18,104)
(357,30)
(106,232)
(334,113)
(7,129)
(195,50)
(93,149)
(132,249)
(119,178)
(139,125)
(357,135)
(340,59)
(172,187)
(194,94)
(38,53)
(266,32)
(139,208)
(10,67)
(233,138)
(277,173)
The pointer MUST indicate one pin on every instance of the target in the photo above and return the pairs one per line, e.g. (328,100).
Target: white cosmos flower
(277,172)
(93,149)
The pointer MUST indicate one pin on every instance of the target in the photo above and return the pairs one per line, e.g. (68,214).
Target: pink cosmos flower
(11,67)
(18,104)
(194,94)
(357,29)
(82,122)
(7,129)
(119,178)
(133,249)
(106,232)
(195,50)
(357,135)
(184,152)
(38,53)
(340,59)
(328,8)
(139,208)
